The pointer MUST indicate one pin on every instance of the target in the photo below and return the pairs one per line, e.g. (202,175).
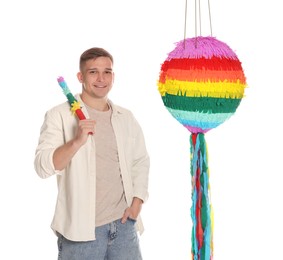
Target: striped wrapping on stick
(75,105)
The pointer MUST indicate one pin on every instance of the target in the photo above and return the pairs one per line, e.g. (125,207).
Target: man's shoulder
(61,108)
(123,110)
(119,109)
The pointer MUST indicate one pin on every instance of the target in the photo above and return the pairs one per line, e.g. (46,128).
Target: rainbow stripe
(201,83)
(75,105)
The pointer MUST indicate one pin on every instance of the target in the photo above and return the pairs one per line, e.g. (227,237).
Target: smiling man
(102,177)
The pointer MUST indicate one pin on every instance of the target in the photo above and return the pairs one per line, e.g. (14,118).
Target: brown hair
(94,53)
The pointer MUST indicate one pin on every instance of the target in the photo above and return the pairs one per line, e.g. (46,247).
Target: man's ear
(80,77)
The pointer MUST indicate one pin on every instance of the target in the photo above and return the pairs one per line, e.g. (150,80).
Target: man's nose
(100,77)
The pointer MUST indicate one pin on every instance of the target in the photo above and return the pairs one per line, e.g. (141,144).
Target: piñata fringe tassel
(201,210)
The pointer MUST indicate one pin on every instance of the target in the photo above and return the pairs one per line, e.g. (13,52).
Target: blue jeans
(114,241)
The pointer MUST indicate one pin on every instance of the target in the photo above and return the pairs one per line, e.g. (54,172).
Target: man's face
(97,77)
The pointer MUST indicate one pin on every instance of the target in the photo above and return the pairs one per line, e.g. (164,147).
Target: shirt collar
(116,109)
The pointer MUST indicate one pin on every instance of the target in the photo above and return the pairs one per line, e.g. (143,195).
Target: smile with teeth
(100,86)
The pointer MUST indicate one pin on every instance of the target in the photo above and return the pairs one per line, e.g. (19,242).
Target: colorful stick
(75,105)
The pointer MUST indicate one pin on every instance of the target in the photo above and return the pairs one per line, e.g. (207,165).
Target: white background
(41,40)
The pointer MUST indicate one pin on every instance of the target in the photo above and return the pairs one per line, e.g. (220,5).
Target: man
(102,167)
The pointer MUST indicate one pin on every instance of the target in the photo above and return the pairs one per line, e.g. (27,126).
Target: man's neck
(100,104)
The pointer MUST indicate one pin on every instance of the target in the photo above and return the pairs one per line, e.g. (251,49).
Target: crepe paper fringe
(75,105)
(206,47)
(201,84)
(201,120)
(187,116)
(200,117)
(208,105)
(194,129)
(205,79)
(213,64)
(201,75)
(62,83)
(201,210)
(222,89)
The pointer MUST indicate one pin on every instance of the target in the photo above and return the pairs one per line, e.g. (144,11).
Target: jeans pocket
(59,244)
(132,220)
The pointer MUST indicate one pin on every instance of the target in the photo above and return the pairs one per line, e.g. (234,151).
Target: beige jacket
(74,215)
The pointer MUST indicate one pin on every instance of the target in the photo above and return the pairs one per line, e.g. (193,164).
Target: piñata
(201,84)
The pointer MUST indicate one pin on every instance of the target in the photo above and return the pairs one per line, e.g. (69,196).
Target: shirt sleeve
(51,137)
(140,166)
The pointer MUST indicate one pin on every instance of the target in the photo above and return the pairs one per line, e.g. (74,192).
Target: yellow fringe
(223,89)
(75,106)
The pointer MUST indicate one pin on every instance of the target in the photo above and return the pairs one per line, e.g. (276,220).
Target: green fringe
(203,104)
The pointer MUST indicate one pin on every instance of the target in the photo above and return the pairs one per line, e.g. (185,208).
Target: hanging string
(199,15)
(196,24)
(198,20)
(209,17)
(185,27)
